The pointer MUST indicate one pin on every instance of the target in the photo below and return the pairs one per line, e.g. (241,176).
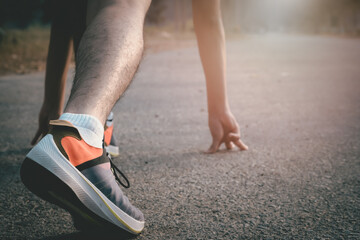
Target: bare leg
(108,56)
(56,71)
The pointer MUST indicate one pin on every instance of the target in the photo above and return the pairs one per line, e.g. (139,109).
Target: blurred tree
(155,13)
(180,14)
(20,13)
(311,16)
(228,12)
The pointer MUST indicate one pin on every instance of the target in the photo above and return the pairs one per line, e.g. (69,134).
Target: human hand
(224,129)
(46,114)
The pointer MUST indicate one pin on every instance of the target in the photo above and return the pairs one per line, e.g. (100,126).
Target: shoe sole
(48,174)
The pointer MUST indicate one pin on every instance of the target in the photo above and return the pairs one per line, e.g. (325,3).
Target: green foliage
(23,51)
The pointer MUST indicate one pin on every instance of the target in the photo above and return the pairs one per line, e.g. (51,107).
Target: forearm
(211,42)
(59,55)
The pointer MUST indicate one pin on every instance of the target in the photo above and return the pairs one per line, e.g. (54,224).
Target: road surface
(297,99)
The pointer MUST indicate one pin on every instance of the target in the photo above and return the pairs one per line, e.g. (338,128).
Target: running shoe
(63,169)
(109,140)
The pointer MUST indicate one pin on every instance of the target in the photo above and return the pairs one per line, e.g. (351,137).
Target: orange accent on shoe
(79,151)
(107,135)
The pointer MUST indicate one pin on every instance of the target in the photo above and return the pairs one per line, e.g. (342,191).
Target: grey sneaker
(82,179)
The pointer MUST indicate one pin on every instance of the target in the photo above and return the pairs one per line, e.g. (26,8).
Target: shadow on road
(92,235)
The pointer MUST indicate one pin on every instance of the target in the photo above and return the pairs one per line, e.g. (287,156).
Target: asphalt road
(297,99)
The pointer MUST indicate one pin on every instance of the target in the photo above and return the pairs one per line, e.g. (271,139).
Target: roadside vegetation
(23,51)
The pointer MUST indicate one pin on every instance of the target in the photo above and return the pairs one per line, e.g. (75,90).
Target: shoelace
(115,169)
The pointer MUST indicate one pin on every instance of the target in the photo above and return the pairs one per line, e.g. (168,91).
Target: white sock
(90,128)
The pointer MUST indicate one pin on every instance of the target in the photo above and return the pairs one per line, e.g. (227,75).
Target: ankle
(90,128)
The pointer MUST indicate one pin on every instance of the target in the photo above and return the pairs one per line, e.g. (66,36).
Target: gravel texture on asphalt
(297,100)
